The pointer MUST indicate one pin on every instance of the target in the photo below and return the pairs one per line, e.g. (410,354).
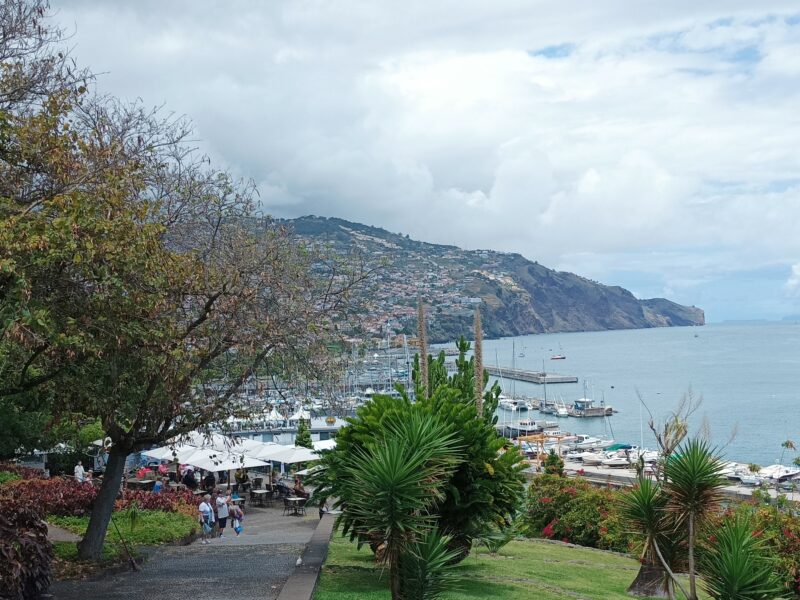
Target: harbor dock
(539,377)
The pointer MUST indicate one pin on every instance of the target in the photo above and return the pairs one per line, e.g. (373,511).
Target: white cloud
(793,283)
(659,142)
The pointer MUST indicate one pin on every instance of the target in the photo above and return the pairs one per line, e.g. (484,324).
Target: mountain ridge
(517,296)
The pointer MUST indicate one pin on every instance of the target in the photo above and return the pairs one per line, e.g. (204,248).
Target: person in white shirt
(206,517)
(222,512)
(80,474)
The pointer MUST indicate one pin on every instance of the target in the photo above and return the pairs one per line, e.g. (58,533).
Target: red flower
(581,472)
(545,500)
(548,529)
(570,490)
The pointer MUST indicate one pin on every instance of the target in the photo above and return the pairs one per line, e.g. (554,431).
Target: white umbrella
(297,454)
(300,414)
(324,444)
(270,450)
(273,415)
(309,470)
(176,451)
(210,460)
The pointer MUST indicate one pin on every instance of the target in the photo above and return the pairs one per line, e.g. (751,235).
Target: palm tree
(735,568)
(390,489)
(693,483)
(644,509)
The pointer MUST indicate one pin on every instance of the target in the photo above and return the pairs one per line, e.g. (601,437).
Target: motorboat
(513,404)
(618,460)
(587,442)
(593,459)
(779,472)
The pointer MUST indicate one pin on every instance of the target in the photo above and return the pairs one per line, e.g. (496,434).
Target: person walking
(206,512)
(222,511)
(80,474)
(237,516)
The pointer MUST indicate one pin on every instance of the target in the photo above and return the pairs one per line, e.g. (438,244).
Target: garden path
(254,565)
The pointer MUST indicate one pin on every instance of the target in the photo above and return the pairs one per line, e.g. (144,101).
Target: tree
(485,490)
(388,495)
(694,488)
(303,437)
(138,286)
(643,507)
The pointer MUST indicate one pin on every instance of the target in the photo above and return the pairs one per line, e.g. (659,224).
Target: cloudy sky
(652,145)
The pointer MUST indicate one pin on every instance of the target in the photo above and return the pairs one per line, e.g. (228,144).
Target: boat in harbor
(584,407)
(513,404)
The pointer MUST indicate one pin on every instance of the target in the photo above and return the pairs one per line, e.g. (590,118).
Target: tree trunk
(91,546)
(692,582)
(650,582)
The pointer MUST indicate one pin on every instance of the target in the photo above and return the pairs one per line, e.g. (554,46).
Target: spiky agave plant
(735,567)
(693,483)
(427,567)
(643,508)
(392,486)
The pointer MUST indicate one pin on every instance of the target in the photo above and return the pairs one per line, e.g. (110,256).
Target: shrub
(25,552)
(780,533)
(571,510)
(6,476)
(56,496)
(23,472)
(167,500)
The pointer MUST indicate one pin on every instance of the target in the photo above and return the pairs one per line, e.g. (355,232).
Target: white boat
(587,442)
(561,410)
(593,459)
(748,477)
(616,462)
(779,472)
(513,404)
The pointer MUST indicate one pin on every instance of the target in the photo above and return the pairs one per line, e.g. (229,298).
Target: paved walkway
(253,566)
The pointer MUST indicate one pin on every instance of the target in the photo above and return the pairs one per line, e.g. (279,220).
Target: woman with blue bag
(237,514)
(206,518)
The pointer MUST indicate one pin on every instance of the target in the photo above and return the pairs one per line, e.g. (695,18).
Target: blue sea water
(748,375)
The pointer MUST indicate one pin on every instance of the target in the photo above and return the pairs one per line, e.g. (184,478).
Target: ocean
(747,374)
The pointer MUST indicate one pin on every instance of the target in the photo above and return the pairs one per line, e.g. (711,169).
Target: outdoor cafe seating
(294,505)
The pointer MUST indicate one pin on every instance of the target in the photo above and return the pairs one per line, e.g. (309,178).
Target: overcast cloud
(646,144)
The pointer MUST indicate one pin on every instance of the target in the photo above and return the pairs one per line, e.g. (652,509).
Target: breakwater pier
(540,377)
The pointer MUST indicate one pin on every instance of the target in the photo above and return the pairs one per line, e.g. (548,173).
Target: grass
(153,527)
(522,569)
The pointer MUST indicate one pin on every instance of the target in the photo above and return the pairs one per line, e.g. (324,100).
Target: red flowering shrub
(548,530)
(56,496)
(573,510)
(25,551)
(167,500)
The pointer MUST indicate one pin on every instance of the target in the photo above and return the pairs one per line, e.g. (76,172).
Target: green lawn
(522,569)
(153,527)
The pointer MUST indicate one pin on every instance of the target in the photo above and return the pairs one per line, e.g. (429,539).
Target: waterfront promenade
(617,477)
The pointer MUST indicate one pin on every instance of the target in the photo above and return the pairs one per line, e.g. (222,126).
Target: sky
(652,145)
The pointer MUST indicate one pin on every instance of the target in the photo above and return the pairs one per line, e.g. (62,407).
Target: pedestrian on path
(237,516)
(80,474)
(222,511)
(206,517)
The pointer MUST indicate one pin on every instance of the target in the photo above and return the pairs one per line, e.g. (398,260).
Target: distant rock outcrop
(517,296)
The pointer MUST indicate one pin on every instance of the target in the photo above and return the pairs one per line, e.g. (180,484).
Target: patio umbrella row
(221,453)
